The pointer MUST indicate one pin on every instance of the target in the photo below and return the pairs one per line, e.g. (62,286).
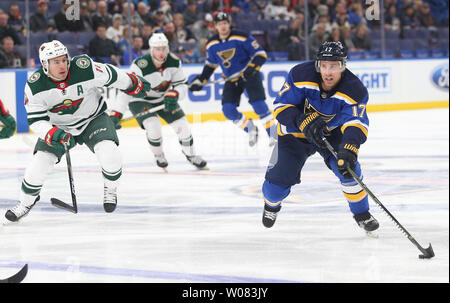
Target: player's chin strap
(428,252)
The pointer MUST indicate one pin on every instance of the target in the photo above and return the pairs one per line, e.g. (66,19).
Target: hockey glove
(313,126)
(196,84)
(249,72)
(347,155)
(58,138)
(115,118)
(7,126)
(139,87)
(170,100)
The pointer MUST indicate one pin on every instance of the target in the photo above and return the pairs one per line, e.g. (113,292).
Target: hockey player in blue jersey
(240,57)
(319,98)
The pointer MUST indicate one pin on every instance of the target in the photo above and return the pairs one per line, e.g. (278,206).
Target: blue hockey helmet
(331,51)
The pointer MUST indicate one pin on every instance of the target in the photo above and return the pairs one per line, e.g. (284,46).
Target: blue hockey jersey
(233,54)
(344,107)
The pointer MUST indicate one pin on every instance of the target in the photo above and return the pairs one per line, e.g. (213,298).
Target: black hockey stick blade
(428,253)
(65,206)
(17,278)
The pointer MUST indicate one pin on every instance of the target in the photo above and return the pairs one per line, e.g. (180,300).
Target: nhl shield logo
(34,77)
(83,63)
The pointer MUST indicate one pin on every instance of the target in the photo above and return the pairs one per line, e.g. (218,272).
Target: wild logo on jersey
(309,108)
(67,107)
(226,56)
(163,86)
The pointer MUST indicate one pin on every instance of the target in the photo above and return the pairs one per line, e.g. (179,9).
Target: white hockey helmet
(158,39)
(50,50)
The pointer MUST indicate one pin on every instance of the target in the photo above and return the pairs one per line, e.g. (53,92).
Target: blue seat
(422,53)
(443,33)
(421,43)
(407,44)
(375,34)
(409,33)
(407,53)
(389,54)
(372,54)
(278,56)
(390,34)
(66,37)
(38,38)
(85,37)
(356,55)
(437,53)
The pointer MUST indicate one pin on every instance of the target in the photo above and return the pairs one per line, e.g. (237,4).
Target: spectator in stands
(203,29)
(6,30)
(391,21)
(92,7)
(191,14)
(439,11)
(102,49)
(290,38)
(214,6)
(9,57)
(424,16)
(146,32)
(316,38)
(136,51)
(356,14)
(335,35)
(361,38)
(408,18)
(15,20)
(115,31)
(258,7)
(127,37)
(183,33)
(63,24)
(170,32)
(241,6)
(275,10)
(341,19)
(101,16)
(128,11)
(346,38)
(165,7)
(40,21)
(86,17)
(144,13)
(115,7)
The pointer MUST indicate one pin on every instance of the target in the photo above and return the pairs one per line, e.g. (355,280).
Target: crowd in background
(120,32)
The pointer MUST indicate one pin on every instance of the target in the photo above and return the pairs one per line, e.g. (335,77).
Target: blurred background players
(240,57)
(7,122)
(319,98)
(164,72)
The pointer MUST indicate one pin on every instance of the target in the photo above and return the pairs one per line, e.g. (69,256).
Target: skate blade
(203,168)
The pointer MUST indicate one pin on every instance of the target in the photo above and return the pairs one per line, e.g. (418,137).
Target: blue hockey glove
(347,155)
(314,128)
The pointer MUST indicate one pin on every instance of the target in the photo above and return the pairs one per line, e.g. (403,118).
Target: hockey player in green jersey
(65,108)
(163,71)
(7,122)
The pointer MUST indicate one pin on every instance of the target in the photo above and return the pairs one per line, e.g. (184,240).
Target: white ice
(205,226)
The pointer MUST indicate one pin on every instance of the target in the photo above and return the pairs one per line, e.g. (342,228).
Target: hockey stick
(427,252)
(151,110)
(60,204)
(217,81)
(18,277)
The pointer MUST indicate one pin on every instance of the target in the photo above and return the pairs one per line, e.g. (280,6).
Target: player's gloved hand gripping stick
(427,253)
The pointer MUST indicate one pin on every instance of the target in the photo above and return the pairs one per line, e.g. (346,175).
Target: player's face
(159,53)
(58,67)
(223,27)
(331,72)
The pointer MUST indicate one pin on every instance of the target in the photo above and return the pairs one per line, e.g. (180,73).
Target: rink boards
(392,84)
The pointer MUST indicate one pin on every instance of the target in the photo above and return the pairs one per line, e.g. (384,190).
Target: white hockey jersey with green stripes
(70,104)
(169,77)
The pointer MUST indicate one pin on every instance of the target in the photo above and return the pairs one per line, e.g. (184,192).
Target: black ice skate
(109,199)
(19,211)
(269,215)
(161,161)
(253,136)
(366,221)
(197,161)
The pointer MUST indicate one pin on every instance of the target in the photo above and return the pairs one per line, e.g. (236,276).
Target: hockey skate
(197,161)
(109,199)
(161,161)
(269,216)
(368,223)
(19,211)
(253,136)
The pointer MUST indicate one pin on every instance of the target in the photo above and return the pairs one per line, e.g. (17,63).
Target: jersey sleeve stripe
(211,43)
(112,75)
(357,124)
(305,84)
(279,109)
(237,37)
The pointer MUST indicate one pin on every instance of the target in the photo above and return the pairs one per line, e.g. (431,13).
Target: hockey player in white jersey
(65,108)
(163,71)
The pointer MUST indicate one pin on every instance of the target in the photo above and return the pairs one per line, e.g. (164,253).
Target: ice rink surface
(205,226)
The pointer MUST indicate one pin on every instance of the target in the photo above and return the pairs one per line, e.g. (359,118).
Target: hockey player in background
(240,57)
(7,122)
(163,71)
(65,108)
(319,98)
